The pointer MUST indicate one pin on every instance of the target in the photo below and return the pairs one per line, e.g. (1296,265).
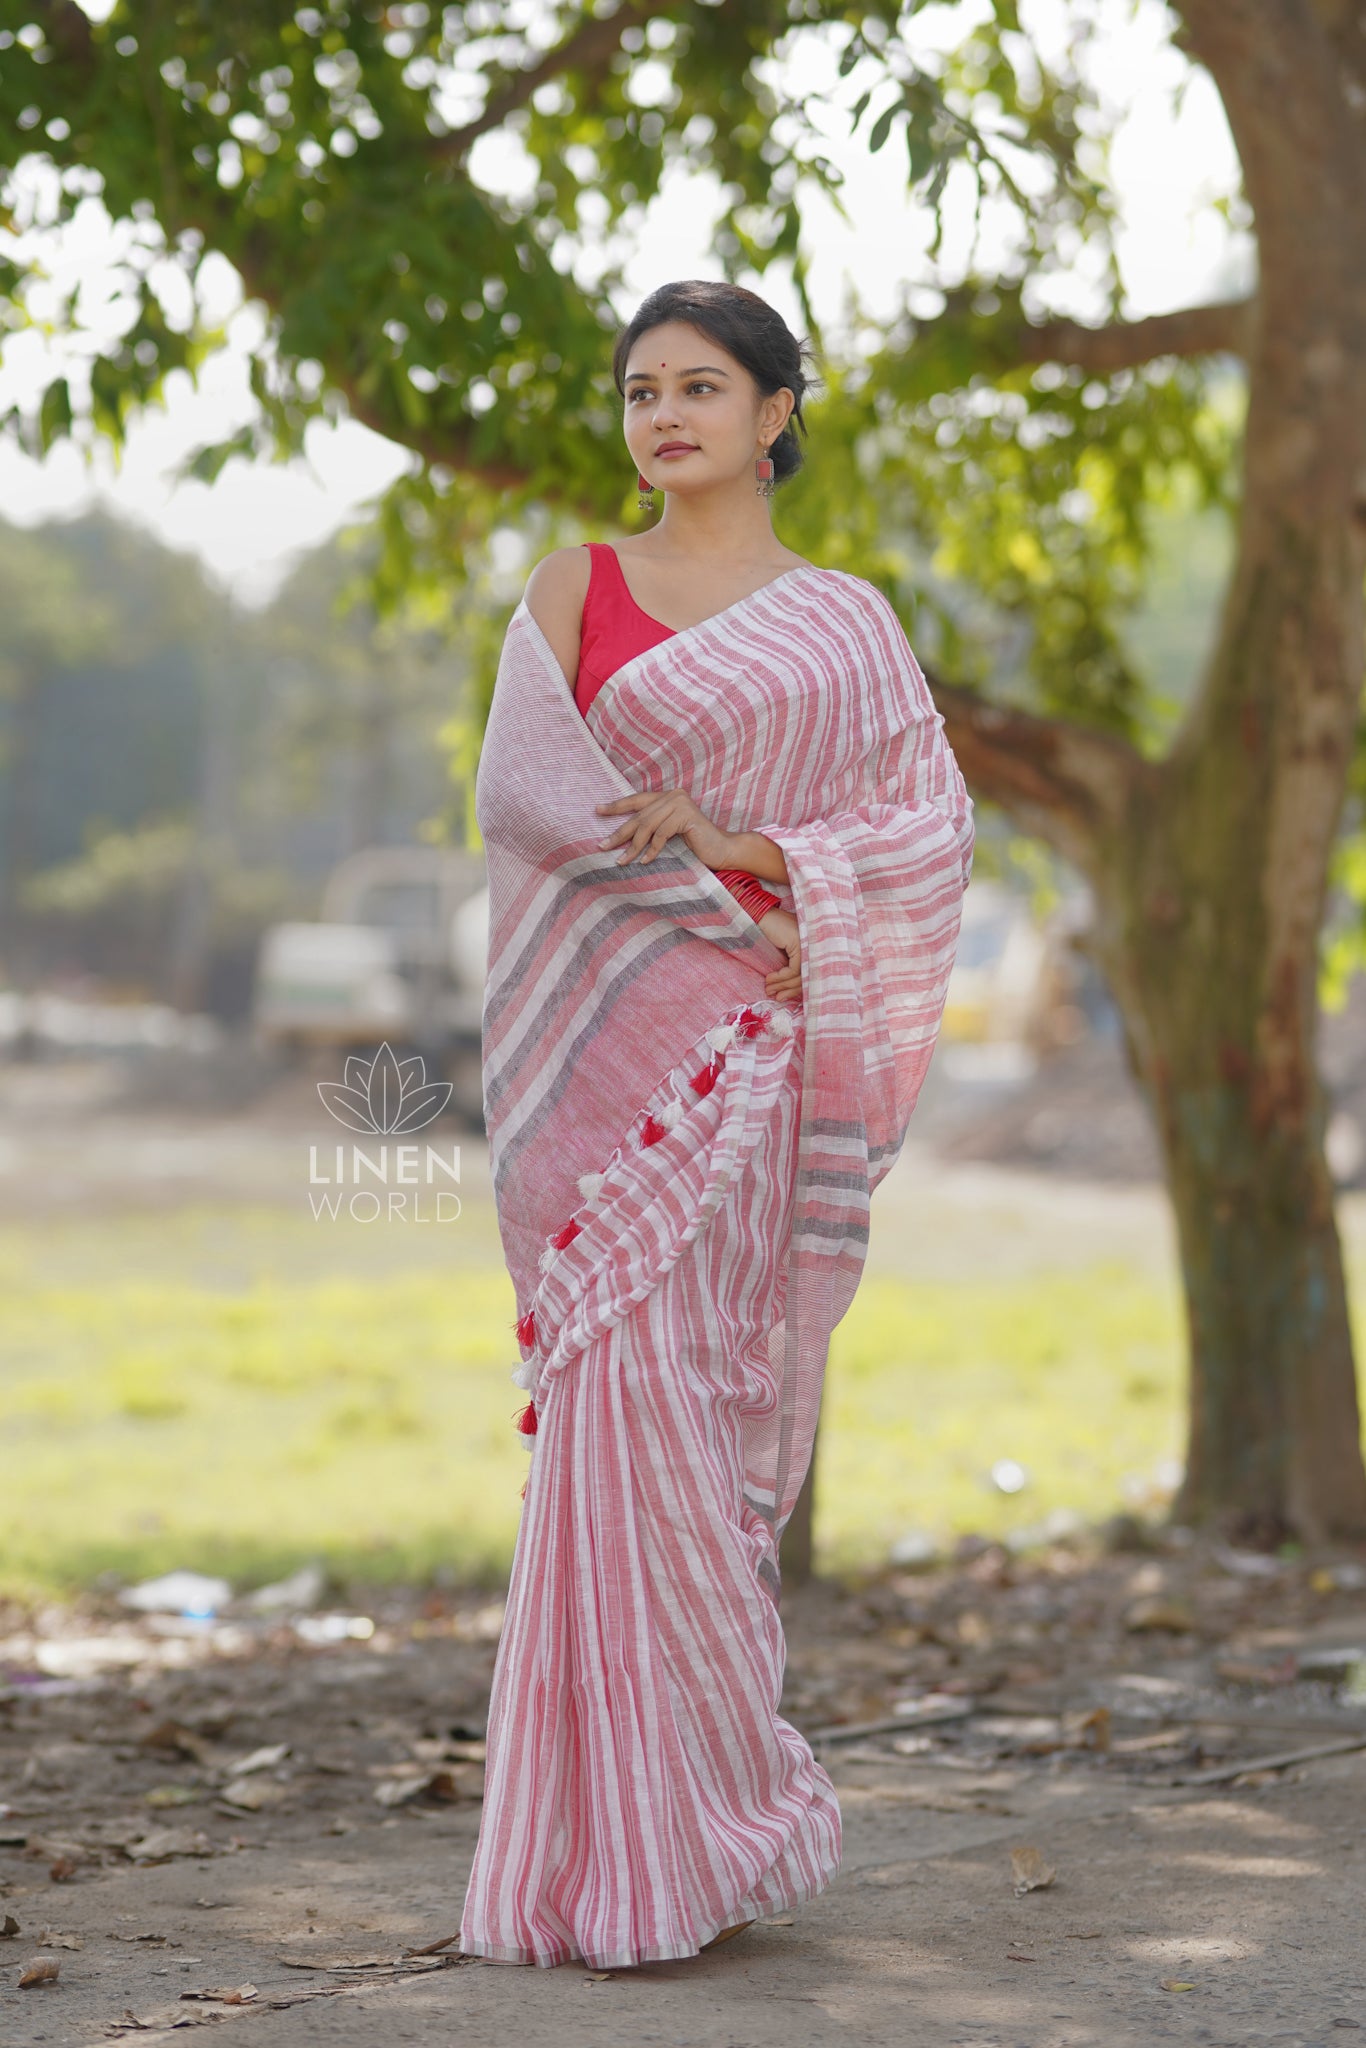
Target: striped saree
(682,1171)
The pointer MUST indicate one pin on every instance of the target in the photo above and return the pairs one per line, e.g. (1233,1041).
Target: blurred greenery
(201,1390)
(177,772)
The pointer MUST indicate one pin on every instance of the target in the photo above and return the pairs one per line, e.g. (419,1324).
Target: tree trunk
(1210,867)
(795,1553)
(1274,1429)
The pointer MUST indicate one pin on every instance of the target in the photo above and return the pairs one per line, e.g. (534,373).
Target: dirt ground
(243,1823)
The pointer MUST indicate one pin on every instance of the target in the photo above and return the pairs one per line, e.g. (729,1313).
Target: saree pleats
(643,1790)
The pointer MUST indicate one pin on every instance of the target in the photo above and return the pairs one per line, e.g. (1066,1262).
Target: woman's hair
(750,330)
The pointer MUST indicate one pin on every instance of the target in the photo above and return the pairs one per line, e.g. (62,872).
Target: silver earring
(763,470)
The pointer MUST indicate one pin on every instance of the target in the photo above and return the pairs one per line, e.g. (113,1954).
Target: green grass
(205,1390)
(1075,1376)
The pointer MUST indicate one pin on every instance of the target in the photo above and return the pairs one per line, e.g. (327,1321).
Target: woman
(692,1089)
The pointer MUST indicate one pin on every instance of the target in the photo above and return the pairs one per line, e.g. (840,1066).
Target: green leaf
(882,128)
(54,414)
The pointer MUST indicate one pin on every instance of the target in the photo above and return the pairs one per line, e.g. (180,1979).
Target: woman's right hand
(783,984)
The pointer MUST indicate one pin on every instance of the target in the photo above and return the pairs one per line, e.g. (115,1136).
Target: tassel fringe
(749,1023)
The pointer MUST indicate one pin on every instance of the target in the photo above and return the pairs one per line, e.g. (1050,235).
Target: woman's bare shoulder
(559,582)
(555,591)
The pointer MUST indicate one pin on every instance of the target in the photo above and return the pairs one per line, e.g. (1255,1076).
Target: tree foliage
(334,157)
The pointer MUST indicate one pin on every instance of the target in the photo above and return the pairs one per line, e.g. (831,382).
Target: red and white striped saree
(682,1170)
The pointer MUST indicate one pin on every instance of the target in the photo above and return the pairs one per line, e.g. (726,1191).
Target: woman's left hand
(659,815)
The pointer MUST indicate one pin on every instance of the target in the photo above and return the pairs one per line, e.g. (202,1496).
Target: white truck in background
(398,953)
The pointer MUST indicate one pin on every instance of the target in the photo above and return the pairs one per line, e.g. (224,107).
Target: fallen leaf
(259,1760)
(42,1970)
(1093,1934)
(11,1926)
(179,1740)
(599,1977)
(1159,1612)
(782,1920)
(48,1849)
(173,1795)
(158,1845)
(1246,1671)
(1011,1957)
(49,1938)
(1032,1874)
(438,1784)
(1090,1730)
(63,1869)
(1176,1984)
(165,2016)
(239,1994)
(251,1795)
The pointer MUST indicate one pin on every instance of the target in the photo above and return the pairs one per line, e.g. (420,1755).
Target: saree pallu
(682,1170)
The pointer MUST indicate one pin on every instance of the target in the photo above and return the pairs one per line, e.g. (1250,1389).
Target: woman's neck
(731,527)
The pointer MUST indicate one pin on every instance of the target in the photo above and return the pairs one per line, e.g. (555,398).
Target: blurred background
(287,424)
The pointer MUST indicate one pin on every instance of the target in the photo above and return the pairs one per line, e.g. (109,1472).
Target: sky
(1172,157)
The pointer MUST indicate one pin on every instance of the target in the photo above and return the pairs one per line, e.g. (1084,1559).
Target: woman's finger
(635,834)
(660,838)
(630,802)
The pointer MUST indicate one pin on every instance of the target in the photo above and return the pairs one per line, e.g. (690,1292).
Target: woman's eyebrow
(712,369)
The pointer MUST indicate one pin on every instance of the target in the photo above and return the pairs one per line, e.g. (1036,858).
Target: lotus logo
(385,1095)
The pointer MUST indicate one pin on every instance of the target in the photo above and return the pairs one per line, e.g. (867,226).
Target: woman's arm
(757,856)
(555,593)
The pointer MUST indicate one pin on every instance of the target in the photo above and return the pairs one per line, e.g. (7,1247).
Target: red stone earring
(763,470)
(646,490)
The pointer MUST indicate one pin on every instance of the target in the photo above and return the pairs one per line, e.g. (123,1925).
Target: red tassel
(526,1329)
(707,1079)
(653,1131)
(565,1234)
(526,1421)
(749,1023)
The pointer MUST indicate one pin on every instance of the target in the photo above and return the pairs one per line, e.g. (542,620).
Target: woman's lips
(676,448)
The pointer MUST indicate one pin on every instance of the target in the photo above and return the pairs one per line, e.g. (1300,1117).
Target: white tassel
(780,1021)
(672,1114)
(524,1376)
(590,1185)
(528,1438)
(721,1037)
(548,1258)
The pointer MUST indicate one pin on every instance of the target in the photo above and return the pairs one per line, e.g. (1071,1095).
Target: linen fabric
(614,630)
(682,1170)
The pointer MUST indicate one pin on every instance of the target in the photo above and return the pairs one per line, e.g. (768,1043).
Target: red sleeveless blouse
(615,630)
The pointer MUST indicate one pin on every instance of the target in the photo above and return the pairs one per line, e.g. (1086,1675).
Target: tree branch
(590,49)
(1055,779)
(1195,331)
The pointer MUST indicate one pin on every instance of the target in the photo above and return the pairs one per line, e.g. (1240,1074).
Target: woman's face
(693,416)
